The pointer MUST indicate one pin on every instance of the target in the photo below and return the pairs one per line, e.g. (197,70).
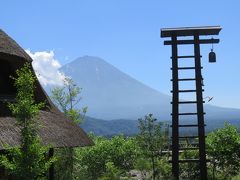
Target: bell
(212,57)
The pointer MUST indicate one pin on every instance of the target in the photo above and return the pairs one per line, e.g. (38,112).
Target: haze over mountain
(111,94)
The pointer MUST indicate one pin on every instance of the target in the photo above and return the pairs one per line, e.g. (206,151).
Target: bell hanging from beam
(212,57)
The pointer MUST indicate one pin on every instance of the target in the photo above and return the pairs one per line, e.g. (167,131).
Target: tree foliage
(152,139)
(29,160)
(189,170)
(112,172)
(117,154)
(224,151)
(66,98)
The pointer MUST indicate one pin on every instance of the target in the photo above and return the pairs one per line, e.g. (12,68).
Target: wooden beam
(51,169)
(190,31)
(202,41)
(175,111)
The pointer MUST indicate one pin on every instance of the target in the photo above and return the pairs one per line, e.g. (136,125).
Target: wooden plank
(187,90)
(185,57)
(187,79)
(185,68)
(190,31)
(189,125)
(188,148)
(187,114)
(185,42)
(182,91)
(186,160)
(187,137)
(188,102)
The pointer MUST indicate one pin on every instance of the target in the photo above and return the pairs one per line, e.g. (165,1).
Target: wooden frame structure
(195,33)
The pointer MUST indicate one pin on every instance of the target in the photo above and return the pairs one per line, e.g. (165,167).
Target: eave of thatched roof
(54,130)
(9,47)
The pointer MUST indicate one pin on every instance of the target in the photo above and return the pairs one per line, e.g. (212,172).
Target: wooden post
(51,169)
(175,110)
(200,113)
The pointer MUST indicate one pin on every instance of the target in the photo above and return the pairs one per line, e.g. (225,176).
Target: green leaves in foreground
(152,139)
(25,110)
(107,156)
(29,160)
(224,151)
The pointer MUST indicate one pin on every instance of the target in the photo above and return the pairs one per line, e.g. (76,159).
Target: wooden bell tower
(193,38)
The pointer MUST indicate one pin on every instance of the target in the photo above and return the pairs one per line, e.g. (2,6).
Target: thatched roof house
(56,129)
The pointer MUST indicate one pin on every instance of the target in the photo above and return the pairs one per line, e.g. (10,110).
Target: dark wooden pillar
(51,169)
(200,112)
(175,110)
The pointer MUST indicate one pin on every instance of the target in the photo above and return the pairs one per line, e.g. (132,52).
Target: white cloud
(46,68)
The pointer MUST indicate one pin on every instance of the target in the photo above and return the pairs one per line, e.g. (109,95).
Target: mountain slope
(130,127)
(111,94)
(110,128)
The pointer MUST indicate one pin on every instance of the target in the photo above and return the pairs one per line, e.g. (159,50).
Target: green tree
(108,156)
(190,170)
(28,161)
(143,166)
(152,140)
(66,98)
(223,151)
(112,172)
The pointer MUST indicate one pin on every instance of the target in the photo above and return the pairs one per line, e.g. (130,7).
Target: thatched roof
(56,129)
(9,47)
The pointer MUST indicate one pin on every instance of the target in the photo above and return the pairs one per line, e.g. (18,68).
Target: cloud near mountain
(111,94)
(46,67)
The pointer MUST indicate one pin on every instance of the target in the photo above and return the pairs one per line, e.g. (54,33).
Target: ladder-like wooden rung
(188,148)
(192,145)
(189,125)
(187,114)
(185,68)
(188,102)
(186,79)
(189,41)
(187,137)
(183,57)
(186,160)
(183,91)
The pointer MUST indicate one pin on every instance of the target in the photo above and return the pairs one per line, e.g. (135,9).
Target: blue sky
(126,33)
